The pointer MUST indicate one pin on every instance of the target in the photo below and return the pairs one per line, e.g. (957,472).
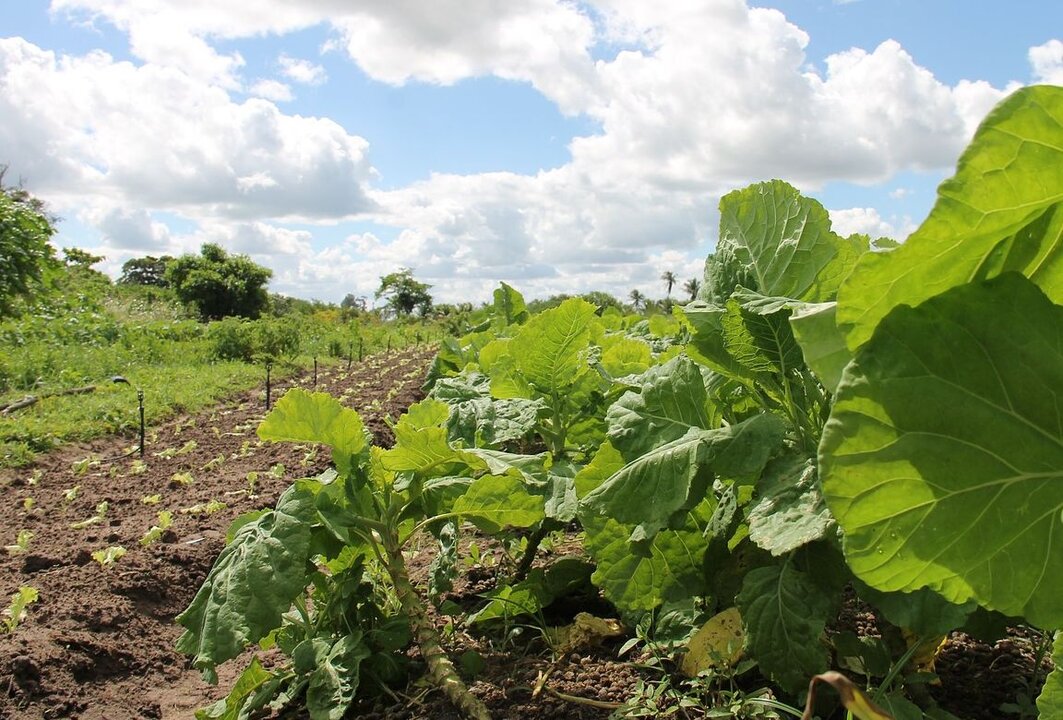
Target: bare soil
(99,642)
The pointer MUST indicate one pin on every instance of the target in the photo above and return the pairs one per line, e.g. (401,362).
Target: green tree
(638,300)
(148,270)
(692,286)
(25,229)
(669,280)
(220,285)
(404,294)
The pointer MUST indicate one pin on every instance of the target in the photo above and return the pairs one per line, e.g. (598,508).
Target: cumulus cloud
(1047,62)
(868,221)
(271,90)
(301,71)
(158,138)
(705,96)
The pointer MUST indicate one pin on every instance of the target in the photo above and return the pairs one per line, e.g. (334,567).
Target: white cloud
(301,71)
(271,90)
(868,221)
(706,96)
(900,193)
(155,138)
(1047,62)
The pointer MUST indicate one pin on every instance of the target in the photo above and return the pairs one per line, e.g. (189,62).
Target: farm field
(98,643)
(828,486)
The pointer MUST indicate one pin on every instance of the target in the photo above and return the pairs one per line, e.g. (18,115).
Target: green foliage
(147,270)
(219,285)
(405,294)
(1050,703)
(25,251)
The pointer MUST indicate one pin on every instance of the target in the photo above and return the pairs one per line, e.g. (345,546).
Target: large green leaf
(254,580)
(1001,211)
(547,350)
(784,613)
(648,491)
(777,242)
(509,305)
(1050,702)
(233,705)
(641,576)
(497,501)
(301,416)
(822,342)
(672,399)
(334,673)
(623,356)
(789,510)
(943,457)
(761,342)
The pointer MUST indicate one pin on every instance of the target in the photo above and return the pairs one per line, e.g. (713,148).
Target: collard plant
(895,407)
(322,575)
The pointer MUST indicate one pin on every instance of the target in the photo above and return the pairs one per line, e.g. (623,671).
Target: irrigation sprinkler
(269,367)
(118,379)
(361,348)
(350,356)
(315,372)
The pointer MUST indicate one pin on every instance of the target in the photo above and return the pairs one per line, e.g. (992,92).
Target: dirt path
(99,641)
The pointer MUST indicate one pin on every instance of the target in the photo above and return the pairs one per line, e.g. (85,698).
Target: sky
(560,146)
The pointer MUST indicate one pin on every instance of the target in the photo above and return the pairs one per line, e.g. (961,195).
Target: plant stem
(440,668)
(534,540)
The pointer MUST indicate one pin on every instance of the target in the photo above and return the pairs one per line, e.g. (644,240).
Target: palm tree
(669,279)
(692,286)
(638,300)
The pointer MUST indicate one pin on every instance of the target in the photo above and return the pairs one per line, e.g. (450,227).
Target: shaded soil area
(99,641)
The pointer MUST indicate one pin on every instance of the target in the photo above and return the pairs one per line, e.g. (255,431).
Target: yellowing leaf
(718,643)
(854,700)
(586,629)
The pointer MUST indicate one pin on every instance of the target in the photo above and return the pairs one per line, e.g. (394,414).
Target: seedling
(71,494)
(252,481)
(109,556)
(22,543)
(214,463)
(181,479)
(204,508)
(35,477)
(138,467)
(164,519)
(151,499)
(101,513)
(15,612)
(28,504)
(277,471)
(82,466)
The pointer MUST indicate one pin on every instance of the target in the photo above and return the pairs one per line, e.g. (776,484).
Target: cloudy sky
(561,146)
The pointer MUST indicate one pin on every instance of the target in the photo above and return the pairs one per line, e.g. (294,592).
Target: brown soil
(99,642)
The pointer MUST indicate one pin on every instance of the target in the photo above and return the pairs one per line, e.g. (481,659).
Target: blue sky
(561,147)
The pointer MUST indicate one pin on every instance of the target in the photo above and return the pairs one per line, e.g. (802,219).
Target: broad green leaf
(639,577)
(777,242)
(232,706)
(509,305)
(1050,702)
(497,501)
(334,674)
(648,491)
(422,450)
(541,588)
(547,350)
(785,613)
(672,399)
(607,461)
(478,419)
(428,413)
(253,582)
(707,345)
(923,611)
(943,457)
(822,342)
(301,416)
(623,356)
(1000,211)
(495,355)
(789,510)
(760,342)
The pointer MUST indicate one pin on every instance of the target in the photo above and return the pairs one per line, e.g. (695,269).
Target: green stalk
(440,668)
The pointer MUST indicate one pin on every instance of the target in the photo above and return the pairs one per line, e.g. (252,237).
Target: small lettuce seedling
(109,556)
(164,520)
(101,514)
(16,611)
(22,543)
